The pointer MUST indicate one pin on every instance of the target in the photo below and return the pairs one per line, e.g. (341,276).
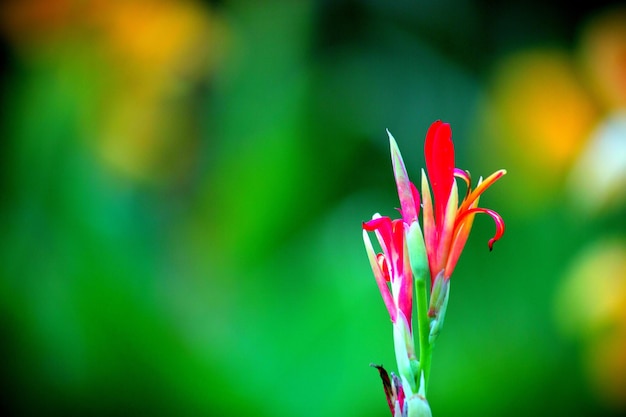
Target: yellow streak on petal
(430,232)
(446,230)
(461,234)
(480,188)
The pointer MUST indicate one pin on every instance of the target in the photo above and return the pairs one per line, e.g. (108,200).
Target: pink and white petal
(410,206)
(380,276)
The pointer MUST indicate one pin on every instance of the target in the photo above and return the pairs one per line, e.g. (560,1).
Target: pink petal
(379,274)
(400,395)
(409,198)
(465,176)
(405,294)
(382,227)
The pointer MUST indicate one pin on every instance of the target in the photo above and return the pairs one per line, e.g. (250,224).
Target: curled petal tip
(499,227)
(496,218)
(464,175)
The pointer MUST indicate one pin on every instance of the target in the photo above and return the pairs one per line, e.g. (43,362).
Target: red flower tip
(439,155)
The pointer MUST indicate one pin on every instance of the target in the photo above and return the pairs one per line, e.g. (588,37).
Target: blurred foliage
(184,184)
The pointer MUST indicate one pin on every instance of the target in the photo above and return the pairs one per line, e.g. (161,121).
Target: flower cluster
(427,258)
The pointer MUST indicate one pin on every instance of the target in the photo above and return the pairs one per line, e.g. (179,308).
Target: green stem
(421,272)
(423,327)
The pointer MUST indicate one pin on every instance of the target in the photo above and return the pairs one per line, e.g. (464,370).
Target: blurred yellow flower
(603,56)
(591,305)
(158,51)
(144,60)
(556,117)
(538,118)
(601,168)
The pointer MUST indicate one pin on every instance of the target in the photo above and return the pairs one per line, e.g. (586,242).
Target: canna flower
(393,271)
(407,254)
(447,222)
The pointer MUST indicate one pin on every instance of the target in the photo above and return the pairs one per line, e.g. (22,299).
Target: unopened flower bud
(417,252)
(438,304)
(417,406)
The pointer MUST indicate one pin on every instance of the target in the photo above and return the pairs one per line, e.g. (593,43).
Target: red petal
(439,155)
(381,225)
(397,248)
(377,223)
(496,218)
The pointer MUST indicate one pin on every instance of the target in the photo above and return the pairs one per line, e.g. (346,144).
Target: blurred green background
(183,185)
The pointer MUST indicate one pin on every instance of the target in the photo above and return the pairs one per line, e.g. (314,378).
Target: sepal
(438,305)
(405,350)
(394,391)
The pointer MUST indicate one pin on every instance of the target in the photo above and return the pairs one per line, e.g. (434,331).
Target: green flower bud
(438,305)
(417,406)
(417,252)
